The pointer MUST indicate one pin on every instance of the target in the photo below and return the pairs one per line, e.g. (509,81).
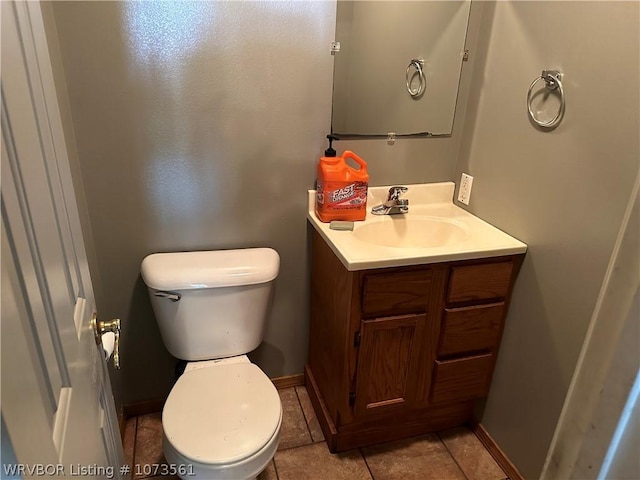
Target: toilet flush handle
(173,296)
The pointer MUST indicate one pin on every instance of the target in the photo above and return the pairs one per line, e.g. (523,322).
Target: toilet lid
(221,414)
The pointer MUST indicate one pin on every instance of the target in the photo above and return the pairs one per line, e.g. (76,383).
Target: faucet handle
(396,192)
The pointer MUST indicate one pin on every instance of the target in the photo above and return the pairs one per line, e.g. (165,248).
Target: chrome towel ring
(416,63)
(552,80)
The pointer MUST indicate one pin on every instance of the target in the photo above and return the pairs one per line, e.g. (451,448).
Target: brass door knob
(100,328)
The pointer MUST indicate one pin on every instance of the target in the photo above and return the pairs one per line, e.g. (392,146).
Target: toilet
(222,418)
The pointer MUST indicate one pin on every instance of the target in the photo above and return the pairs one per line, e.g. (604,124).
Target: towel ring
(552,80)
(417,63)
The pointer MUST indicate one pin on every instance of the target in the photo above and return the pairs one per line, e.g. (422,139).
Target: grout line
(366,463)
(294,447)
(135,445)
(306,422)
(452,456)
(275,467)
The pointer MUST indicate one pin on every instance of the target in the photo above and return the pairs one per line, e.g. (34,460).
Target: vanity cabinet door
(388,363)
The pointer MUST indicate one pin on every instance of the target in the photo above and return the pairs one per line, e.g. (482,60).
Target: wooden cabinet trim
(331,304)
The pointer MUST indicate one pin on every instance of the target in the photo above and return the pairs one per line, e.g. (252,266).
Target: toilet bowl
(222,418)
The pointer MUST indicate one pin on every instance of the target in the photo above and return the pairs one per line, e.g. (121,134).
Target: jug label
(353,195)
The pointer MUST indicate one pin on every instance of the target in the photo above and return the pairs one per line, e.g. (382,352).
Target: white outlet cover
(464,193)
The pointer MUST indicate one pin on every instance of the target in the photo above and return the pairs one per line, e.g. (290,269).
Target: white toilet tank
(211,304)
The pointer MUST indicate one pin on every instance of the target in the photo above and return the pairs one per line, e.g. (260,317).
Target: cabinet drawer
(479,282)
(471,329)
(461,379)
(396,293)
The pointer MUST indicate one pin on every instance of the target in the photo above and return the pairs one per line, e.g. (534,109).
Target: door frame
(593,415)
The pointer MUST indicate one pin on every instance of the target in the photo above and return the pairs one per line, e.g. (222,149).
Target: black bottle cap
(330,152)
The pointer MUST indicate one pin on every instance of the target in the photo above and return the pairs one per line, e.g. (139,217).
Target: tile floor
(303,454)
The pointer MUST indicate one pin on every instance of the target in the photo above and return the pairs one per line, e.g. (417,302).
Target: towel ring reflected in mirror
(414,68)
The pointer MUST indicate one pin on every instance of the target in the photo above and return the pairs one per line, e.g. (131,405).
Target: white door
(58,413)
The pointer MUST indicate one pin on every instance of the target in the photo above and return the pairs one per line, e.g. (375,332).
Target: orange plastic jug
(342,190)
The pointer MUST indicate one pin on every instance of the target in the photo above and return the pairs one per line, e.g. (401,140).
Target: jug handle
(356,158)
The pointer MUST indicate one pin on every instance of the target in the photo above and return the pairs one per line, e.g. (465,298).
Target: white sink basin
(404,231)
(434,230)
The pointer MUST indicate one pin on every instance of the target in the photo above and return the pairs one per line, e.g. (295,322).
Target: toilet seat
(221,414)
(246,469)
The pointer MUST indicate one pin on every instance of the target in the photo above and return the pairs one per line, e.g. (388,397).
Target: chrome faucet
(394,204)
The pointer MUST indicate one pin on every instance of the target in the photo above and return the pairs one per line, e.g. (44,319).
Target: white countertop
(429,204)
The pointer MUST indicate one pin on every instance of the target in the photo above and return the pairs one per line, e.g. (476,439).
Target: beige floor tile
(268,473)
(315,462)
(129,440)
(294,431)
(474,460)
(310,414)
(418,458)
(148,443)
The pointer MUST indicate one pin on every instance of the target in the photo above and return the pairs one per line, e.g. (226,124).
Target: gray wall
(199,126)
(562,192)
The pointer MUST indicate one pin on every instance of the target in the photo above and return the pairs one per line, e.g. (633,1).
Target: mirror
(377,87)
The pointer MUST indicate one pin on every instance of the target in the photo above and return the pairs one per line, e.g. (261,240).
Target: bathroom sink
(405,231)
(434,230)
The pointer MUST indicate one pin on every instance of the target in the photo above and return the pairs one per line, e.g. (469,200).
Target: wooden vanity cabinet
(395,352)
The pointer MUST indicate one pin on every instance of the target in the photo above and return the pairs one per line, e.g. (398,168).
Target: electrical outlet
(464,193)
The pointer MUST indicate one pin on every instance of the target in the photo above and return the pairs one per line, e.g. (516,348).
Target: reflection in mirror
(384,45)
